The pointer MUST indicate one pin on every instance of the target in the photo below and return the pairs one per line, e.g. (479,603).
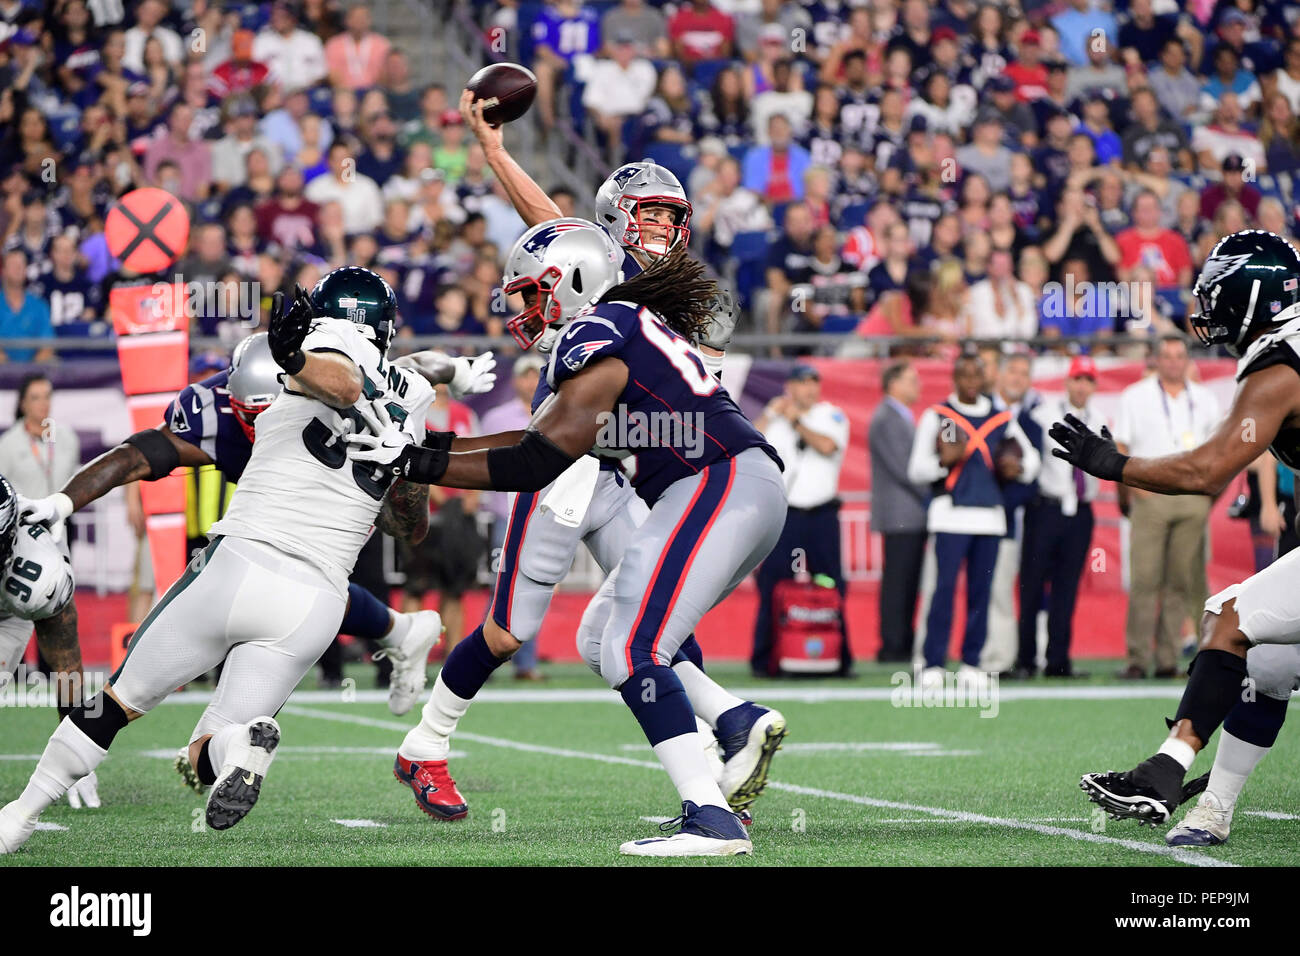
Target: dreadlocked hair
(674,287)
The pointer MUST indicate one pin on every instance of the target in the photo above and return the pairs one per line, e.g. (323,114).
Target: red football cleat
(434,790)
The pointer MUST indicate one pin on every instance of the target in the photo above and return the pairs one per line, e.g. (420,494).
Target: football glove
(288,328)
(1082,447)
(474,376)
(51,511)
(386,441)
(85,791)
(722,323)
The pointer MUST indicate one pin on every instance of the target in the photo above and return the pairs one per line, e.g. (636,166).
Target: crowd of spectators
(942,169)
(293,133)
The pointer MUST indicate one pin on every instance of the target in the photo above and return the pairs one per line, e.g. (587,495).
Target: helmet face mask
(622,200)
(560,267)
(677,232)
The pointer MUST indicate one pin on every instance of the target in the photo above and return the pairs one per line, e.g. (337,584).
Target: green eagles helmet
(359,296)
(1249,282)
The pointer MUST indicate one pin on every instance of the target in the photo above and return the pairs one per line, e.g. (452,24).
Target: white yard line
(360,824)
(1176,853)
(1270,815)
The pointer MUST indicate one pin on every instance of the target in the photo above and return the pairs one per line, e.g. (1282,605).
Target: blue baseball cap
(802,372)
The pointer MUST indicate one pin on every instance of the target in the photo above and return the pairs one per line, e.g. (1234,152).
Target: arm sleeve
(923,465)
(1031,462)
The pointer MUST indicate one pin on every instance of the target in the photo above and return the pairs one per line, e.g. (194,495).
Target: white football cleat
(705,831)
(1206,824)
(239,782)
(15,828)
(410,659)
(85,791)
(750,735)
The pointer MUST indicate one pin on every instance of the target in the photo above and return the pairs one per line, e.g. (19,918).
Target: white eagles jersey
(37,577)
(300,492)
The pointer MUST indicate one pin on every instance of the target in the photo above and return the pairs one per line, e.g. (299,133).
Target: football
(507,90)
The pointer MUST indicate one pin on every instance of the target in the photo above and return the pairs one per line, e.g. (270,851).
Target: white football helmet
(633,185)
(254,380)
(561,267)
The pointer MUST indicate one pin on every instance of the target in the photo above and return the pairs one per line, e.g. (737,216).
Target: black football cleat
(1148,793)
(1194,788)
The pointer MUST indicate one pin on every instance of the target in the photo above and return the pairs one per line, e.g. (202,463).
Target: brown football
(507,88)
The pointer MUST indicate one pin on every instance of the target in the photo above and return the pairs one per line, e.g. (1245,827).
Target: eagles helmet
(254,380)
(1250,281)
(359,296)
(560,267)
(8,518)
(632,186)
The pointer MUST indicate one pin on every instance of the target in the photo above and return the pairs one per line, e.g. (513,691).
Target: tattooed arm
(405,514)
(56,636)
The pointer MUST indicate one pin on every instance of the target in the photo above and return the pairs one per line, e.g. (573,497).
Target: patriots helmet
(560,267)
(1250,281)
(361,297)
(622,197)
(254,380)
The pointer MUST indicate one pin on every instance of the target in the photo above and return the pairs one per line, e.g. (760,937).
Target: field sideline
(560,775)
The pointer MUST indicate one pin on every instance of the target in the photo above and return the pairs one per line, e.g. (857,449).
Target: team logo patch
(179,423)
(1220,267)
(538,245)
(576,357)
(624,176)
(1275,306)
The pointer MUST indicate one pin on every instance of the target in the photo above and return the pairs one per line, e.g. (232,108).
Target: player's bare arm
(405,512)
(330,377)
(1264,403)
(560,433)
(529,199)
(128,462)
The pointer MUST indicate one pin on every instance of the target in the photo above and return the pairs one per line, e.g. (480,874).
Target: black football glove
(1082,447)
(288,328)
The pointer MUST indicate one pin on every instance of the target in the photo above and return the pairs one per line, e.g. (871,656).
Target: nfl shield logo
(1275,306)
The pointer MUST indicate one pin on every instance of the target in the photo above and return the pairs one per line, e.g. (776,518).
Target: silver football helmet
(560,267)
(622,197)
(254,380)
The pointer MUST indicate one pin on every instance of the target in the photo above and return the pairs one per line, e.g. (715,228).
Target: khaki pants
(1166,574)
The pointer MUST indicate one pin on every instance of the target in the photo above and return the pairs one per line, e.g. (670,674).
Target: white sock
(1232,765)
(707,698)
(398,625)
(1180,751)
(220,743)
(683,758)
(431,738)
(68,757)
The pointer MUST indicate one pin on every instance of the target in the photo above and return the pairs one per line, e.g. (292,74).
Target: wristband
(294,361)
(422,466)
(438,441)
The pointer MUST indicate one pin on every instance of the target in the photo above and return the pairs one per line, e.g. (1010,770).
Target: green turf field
(555,777)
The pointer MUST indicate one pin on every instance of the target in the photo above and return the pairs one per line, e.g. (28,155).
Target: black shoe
(1132,672)
(1069,674)
(1019,673)
(893,657)
(1166,673)
(1148,793)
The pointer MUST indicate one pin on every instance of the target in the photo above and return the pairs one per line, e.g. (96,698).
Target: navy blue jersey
(672,415)
(201,415)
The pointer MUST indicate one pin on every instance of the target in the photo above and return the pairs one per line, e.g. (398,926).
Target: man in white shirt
(810,436)
(967,451)
(619,87)
(1001,306)
(148,20)
(1057,531)
(1164,414)
(295,57)
(356,193)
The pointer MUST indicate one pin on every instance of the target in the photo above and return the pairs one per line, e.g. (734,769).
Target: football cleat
(85,792)
(434,790)
(1206,824)
(705,831)
(15,828)
(750,736)
(410,659)
(181,764)
(1148,793)
(239,782)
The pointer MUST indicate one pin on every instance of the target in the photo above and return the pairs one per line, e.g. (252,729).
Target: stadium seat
(748,258)
(671,156)
(321,99)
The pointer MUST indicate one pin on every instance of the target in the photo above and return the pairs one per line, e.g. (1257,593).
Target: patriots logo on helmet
(576,357)
(538,245)
(625,175)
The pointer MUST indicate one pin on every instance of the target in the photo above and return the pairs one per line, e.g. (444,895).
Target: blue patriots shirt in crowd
(201,415)
(672,414)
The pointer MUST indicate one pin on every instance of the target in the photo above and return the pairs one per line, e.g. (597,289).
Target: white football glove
(51,512)
(474,376)
(85,791)
(387,440)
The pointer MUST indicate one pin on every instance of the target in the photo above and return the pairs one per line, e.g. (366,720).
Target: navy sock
(100,718)
(366,617)
(1257,721)
(690,651)
(659,704)
(203,769)
(469,665)
(1213,688)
